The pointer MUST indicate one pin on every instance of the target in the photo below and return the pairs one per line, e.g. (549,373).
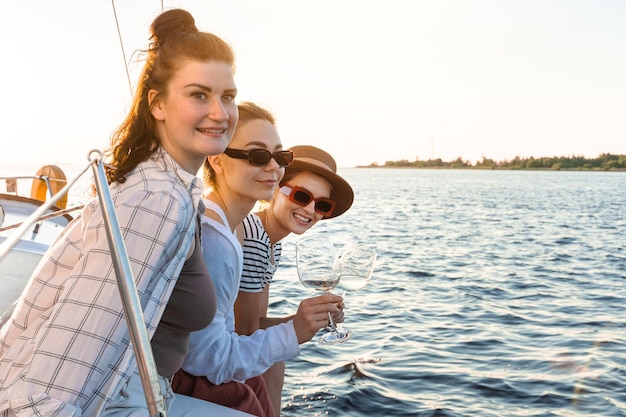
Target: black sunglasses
(261,157)
(302,197)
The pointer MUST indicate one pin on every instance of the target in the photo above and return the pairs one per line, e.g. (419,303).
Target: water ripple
(497,294)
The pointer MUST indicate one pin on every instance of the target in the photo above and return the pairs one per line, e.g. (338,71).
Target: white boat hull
(19,263)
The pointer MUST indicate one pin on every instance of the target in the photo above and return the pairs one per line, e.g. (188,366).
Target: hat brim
(341,193)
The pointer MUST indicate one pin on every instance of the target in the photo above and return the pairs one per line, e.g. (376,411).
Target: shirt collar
(191,181)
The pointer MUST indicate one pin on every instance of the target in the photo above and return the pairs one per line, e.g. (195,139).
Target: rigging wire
(119,35)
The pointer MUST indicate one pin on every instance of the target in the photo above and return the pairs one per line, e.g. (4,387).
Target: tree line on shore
(604,162)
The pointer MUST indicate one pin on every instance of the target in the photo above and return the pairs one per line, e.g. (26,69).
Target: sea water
(495,293)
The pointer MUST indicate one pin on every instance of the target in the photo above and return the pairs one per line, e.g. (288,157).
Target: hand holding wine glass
(319,269)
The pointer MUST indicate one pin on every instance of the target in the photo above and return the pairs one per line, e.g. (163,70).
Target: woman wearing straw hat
(309,192)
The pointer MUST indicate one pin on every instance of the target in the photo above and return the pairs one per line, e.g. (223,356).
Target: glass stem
(331,323)
(339,327)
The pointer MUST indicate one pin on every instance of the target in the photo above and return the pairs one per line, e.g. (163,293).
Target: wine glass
(357,264)
(318,268)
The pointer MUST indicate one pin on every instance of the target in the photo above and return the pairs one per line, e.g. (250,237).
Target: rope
(119,35)
(44,217)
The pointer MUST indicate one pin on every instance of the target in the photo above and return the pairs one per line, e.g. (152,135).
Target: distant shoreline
(496,168)
(604,162)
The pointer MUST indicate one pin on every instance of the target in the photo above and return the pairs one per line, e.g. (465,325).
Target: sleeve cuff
(283,342)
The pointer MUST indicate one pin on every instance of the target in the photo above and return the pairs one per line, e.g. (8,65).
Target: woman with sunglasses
(310,191)
(222,366)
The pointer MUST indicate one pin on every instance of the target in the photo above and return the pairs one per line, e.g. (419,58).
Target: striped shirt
(260,258)
(65,350)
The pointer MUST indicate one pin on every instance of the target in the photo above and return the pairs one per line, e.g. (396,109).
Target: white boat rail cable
(36,216)
(49,216)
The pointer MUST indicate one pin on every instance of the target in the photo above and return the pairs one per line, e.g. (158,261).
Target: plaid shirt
(65,350)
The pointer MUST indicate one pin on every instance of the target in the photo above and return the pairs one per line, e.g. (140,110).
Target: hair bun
(170,23)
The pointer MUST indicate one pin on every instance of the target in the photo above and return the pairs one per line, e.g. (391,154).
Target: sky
(368,81)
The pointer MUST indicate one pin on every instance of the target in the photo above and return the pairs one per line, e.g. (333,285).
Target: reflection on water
(497,293)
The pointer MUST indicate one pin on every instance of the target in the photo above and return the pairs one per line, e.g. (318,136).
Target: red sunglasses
(302,197)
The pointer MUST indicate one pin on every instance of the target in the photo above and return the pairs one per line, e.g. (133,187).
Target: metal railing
(12,182)
(123,272)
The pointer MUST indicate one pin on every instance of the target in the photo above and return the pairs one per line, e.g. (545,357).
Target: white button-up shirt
(217,351)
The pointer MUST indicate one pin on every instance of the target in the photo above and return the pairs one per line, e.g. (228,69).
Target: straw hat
(310,158)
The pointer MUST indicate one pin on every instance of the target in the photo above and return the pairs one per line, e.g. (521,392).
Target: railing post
(128,292)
